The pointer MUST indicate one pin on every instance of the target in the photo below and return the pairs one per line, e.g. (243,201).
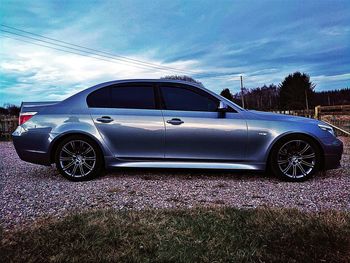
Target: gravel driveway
(31,193)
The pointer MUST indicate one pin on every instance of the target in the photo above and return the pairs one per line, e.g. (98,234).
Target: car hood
(262,115)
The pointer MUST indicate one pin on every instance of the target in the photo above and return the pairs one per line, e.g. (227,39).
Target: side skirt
(190,165)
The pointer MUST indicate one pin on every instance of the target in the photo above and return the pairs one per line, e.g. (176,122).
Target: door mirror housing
(222,109)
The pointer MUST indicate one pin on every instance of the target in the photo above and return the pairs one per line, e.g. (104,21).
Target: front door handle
(175,121)
(104,119)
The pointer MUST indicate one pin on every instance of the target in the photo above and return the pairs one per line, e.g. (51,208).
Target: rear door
(194,128)
(129,120)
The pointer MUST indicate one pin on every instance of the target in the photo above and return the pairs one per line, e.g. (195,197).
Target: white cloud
(336,30)
(323,78)
(43,73)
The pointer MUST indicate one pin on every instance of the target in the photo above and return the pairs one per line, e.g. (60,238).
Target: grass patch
(197,235)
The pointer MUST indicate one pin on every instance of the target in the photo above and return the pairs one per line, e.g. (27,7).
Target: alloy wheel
(296,159)
(77,158)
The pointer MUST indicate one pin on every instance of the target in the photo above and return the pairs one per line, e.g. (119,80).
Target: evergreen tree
(296,92)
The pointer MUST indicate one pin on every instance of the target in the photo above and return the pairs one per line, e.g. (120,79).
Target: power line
(26,41)
(64,50)
(95,50)
(114,56)
(79,50)
(94,53)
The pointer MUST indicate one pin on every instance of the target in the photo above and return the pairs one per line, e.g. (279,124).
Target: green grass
(198,235)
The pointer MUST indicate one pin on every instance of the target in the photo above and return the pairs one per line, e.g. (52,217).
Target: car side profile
(169,124)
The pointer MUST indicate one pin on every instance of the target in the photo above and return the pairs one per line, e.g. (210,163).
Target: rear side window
(127,96)
(133,97)
(99,98)
(185,98)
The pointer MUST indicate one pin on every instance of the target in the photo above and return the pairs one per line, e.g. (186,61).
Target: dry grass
(197,235)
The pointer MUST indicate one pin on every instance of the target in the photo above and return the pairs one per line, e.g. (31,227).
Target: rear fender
(77,125)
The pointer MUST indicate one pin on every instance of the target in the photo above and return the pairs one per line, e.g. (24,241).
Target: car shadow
(185,174)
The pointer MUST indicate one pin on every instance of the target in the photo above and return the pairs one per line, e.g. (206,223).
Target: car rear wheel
(295,158)
(78,158)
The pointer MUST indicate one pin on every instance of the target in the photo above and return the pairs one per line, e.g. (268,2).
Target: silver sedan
(169,124)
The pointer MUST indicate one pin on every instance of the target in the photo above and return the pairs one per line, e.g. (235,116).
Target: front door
(195,130)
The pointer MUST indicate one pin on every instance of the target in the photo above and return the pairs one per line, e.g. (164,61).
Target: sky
(213,41)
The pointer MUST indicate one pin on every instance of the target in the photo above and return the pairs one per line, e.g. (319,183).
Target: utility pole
(242,92)
(306,101)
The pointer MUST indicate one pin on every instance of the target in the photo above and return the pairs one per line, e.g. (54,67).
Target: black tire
(79,158)
(290,163)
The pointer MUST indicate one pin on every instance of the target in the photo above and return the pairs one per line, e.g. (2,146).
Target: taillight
(23,117)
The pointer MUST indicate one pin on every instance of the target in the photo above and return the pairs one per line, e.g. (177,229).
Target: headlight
(327,128)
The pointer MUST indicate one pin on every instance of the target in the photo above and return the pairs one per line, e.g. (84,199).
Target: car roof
(151,80)
(87,91)
(108,83)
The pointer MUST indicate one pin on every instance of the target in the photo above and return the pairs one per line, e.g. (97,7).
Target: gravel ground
(31,193)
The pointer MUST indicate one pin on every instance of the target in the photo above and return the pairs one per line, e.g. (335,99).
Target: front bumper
(333,150)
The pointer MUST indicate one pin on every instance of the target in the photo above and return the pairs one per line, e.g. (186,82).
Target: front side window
(185,98)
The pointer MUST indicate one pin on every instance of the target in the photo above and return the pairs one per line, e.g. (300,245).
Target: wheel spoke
(74,169)
(90,158)
(68,165)
(81,170)
(287,168)
(308,156)
(307,147)
(87,166)
(294,170)
(67,151)
(72,144)
(62,159)
(282,162)
(81,146)
(307,164)
(301,168)
(283,152)
(89,149)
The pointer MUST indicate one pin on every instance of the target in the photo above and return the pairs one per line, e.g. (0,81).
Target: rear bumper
(332,154)
(31,148)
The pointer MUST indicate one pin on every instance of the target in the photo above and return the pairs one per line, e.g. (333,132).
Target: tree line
(295,92)
(9,109)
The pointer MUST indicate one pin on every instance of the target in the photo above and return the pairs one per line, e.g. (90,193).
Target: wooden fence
(8,124)
(338,116)
(303,113)
(332,110)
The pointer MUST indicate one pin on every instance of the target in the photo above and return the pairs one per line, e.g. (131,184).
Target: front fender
(263,135)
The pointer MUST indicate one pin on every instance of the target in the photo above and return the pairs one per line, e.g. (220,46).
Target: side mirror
(222,106)
(222,109)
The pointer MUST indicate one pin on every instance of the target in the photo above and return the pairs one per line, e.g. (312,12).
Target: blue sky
(216,41)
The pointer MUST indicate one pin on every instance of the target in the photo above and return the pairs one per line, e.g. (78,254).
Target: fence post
(317,112)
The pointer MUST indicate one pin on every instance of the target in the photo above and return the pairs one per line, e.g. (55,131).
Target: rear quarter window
(99,98)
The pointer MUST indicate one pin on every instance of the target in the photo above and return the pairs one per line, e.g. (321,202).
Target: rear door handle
(175,121)
(104,119)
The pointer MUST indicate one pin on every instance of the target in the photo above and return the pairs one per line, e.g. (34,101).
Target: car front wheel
(295,158)
(78,158)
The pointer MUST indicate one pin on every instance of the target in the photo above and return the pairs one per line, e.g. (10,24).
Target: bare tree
(184,78)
